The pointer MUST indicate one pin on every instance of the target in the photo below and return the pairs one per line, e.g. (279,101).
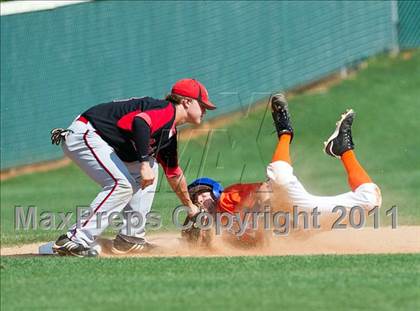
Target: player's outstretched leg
(365,193)
(340,145)
(283,124)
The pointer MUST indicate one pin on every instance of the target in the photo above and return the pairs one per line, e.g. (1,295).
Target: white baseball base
(46,249)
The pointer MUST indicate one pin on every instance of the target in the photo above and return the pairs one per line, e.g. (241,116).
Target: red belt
(82,119)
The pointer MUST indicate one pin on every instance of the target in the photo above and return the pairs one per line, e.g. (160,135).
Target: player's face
(203,197)
(205,200)
(196,112)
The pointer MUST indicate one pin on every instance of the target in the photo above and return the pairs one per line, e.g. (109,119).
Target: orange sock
(282,149)
(356,173)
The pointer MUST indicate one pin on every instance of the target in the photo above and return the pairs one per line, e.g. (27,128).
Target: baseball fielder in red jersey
(118,144)
(282,182)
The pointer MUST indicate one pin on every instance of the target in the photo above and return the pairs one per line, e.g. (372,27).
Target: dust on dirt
(404,239)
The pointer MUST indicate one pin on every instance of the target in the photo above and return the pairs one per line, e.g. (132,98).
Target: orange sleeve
(236,196)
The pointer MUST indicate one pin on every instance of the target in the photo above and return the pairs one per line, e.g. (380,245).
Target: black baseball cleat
(280,114)
(66,247)
(124,244)
(341,140)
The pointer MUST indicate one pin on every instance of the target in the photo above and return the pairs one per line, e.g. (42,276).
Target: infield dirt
(404,239)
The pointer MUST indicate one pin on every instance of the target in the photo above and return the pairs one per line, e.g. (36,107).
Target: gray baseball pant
(120,182)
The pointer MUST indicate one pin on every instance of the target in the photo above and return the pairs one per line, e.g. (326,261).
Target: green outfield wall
(57,63)
(409,24)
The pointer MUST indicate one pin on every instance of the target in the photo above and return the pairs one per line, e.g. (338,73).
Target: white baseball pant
(120,182)
(280,173)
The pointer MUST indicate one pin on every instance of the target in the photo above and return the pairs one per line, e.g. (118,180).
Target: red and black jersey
(138,128)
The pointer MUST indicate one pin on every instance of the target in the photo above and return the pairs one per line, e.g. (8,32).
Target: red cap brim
(208,105)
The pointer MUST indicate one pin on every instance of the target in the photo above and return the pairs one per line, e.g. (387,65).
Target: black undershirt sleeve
(168,156)
(141,136)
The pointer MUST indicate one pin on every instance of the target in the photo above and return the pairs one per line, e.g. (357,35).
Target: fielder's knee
(124,189)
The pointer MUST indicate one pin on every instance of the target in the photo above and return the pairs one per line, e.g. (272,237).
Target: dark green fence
(55,64)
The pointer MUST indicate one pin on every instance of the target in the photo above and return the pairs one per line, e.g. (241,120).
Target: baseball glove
(58,135)
(194,234)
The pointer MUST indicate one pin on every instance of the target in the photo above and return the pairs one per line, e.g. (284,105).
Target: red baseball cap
(193,89)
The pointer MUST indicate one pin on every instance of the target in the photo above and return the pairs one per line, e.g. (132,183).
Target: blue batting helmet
(203,182)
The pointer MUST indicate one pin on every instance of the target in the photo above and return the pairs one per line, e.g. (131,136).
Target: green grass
(386,132)
(242,283)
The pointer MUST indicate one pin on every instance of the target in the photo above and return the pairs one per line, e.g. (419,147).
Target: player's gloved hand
(58,134)
(147,175)
(193,210)
(194,234)
(193,231)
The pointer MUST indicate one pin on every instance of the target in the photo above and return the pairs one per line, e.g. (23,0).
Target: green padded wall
(409,25)
(56,63)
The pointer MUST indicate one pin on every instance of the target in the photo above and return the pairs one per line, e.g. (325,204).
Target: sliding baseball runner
(210,196)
